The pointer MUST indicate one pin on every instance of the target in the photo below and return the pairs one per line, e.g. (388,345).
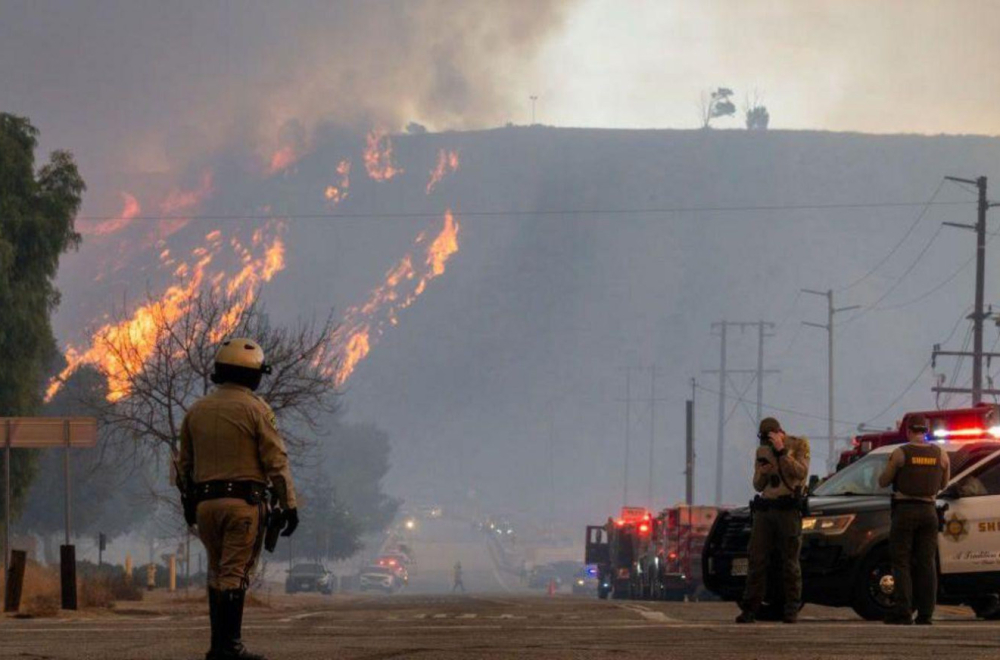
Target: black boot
(791,613)
(748,613)
(215,620)
(232,616)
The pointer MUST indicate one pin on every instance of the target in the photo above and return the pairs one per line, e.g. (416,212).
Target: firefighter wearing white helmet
(231,452)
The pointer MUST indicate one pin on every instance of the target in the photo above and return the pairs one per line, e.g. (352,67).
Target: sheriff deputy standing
(780,472)
(917,471)
(231,452)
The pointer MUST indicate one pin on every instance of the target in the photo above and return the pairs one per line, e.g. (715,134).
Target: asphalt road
(490,626)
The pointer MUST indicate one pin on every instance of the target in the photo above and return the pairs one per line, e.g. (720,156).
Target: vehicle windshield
(860,478)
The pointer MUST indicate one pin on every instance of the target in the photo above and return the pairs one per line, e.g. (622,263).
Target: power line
(906,235)
(539,212)
(899,280)
(919,374)
(788,411)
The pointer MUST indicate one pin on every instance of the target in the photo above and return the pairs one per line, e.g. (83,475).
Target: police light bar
(942,434)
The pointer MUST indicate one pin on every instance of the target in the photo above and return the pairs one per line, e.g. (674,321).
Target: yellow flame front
(121,348)
(447,162)
(379,160)
(404,283)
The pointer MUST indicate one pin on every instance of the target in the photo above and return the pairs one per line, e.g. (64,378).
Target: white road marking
(304,615)
(650,615)
(467,616)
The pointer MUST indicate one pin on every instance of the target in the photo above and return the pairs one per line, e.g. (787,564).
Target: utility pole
(652,435)
(724,374)
(831,311)
(628,431)
(689,447)
(533,99)
(722,413)
(978,315)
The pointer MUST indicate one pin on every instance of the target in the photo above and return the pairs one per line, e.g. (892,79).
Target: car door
(596,551)
(969,544)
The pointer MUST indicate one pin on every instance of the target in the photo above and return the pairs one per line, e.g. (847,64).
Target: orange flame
(378,156)
(179,201)
(130,209)
(336,194)
(282,159)
(122,348)
(447,162)
(364,325)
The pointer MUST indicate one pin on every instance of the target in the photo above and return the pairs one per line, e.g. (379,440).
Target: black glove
(291,522)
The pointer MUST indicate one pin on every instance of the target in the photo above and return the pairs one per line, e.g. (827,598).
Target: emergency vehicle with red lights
(845,552)
(640,555)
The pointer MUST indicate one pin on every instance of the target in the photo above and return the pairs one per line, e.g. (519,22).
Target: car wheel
(868,598)
(986,607)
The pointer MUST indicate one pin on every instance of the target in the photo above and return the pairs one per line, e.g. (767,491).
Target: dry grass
(41,596)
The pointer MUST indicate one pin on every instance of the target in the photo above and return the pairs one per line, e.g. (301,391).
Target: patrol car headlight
(830,525)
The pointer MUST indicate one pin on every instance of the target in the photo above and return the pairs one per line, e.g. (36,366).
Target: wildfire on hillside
(404,283)
(281,160)
(338,193)
(179,202)
(447,162)
(130,210)
(379,157)
(121,347)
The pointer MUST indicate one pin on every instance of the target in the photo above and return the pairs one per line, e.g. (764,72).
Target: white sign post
(37,433)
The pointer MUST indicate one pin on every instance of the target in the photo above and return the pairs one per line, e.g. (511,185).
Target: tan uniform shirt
(794,466)
(232,435)
(897,460)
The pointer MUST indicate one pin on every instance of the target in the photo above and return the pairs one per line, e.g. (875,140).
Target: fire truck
(982,416)
(641,556)
(613,548)
(669,566)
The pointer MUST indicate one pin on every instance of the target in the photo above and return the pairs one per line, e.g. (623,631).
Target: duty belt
(776,504)
(251,491)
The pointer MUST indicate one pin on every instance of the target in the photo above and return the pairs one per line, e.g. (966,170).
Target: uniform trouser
(775,532)
(913,548)
(230,530)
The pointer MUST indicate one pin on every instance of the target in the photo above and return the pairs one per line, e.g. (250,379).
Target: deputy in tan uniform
(780,472)
(231,452)
(917,471)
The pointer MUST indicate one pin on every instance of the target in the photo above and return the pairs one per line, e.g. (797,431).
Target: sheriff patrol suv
(845,550)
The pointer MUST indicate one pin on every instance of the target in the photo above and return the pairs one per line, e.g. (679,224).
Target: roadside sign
(38,432)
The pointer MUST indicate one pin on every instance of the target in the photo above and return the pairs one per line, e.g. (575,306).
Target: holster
(941,510)
(274,521)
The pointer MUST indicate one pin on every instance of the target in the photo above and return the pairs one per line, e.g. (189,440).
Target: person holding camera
(779,477)
(917,471)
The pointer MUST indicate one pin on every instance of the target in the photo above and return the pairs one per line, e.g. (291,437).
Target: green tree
(37,211)
(356,459)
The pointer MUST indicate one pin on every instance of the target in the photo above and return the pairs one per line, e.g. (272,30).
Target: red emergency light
(943,434)
(644,528)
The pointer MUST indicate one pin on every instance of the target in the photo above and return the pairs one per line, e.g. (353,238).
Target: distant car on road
(310,577)
(585,581)
(380,578)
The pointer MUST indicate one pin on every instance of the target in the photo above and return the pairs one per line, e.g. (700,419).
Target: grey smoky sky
(148,86)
